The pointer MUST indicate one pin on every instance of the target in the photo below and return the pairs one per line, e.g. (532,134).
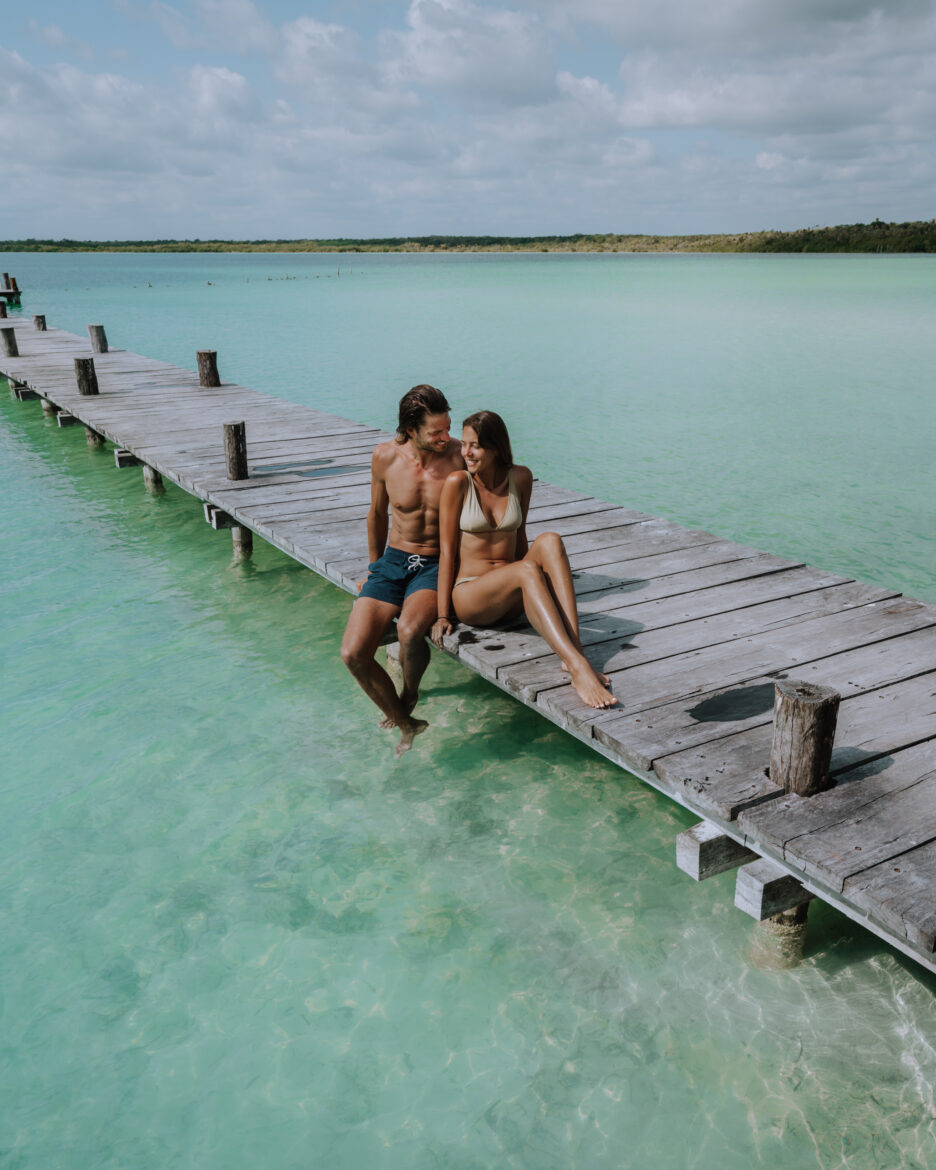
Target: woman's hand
(441,628)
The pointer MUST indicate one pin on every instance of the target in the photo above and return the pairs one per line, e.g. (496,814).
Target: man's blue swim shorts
(398,574)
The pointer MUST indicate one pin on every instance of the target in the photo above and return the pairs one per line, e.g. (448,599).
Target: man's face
(433,435)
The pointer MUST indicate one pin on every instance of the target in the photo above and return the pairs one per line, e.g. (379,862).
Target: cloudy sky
(308,118)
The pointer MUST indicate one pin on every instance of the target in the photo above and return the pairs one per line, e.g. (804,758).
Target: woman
(482,533)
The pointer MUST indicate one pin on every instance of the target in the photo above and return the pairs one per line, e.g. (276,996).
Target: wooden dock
(694,631)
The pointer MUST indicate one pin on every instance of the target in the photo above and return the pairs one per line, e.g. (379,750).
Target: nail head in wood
(86,376)
(8,339)
(804,731)
(98,338)
(235,450)
(39,323)
(208,367)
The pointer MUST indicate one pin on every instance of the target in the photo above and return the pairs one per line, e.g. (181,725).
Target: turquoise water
(237,933)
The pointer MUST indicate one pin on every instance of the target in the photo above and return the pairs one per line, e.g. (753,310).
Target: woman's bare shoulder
(523,476)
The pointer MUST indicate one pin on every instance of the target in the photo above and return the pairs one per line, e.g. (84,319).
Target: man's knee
(355,656)
(412,628)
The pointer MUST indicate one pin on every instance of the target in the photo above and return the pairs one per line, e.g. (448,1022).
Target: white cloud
(470,117)
(54,37)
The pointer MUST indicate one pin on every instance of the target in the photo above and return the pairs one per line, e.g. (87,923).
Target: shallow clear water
(237,933)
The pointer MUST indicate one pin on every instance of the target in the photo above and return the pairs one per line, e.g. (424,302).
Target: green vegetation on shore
(878,236)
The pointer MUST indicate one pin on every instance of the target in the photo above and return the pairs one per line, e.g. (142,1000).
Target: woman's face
(476,457)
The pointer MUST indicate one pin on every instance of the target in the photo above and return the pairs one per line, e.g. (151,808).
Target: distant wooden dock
(694,631)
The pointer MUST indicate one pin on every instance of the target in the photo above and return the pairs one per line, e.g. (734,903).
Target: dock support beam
(704,851)
(49,407)
(394,669)
(208,368)
(3,309)
(235,454)
(39,323)
(98,338)
(8,341)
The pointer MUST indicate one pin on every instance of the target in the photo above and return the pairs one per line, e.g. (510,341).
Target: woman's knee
(549,542)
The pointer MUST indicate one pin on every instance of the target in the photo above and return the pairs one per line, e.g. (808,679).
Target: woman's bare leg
(493,595)
(548,551)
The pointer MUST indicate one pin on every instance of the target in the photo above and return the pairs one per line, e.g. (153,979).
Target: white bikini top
(473,519)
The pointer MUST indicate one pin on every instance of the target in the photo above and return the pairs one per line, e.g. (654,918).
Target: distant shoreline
(878,236)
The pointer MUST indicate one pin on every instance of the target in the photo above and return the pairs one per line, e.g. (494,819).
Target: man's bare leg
(413,624)
(366,625)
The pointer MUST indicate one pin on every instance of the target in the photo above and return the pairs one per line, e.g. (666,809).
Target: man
(407,475)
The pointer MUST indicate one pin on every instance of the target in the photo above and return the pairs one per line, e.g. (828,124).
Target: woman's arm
(523,479)
(450,505)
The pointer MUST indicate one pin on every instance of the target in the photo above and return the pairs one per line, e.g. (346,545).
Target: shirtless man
(407,475)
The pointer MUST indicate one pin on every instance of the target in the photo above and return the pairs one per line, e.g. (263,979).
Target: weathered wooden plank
(727,775)
(705,850)
(877,811)
(898,893)
(651,735)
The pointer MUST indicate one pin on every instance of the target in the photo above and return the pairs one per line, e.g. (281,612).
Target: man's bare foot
(408,733)
(408,705)
(591,690)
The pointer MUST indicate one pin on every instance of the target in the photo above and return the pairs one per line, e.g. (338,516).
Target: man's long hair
(415,405)
(492,435)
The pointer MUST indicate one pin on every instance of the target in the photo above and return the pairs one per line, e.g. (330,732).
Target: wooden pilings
(152,480)
(208,368)
(800,757)
(235,454)
(39,323)
(98,338)
(8,341)
(3,310)
(804,728)
(86,376)
(235,450)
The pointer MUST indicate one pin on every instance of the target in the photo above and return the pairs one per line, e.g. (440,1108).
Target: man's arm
(378,521)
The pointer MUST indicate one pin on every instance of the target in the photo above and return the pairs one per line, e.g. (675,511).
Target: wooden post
(8,336)
(49,407)
(152,480)
(235,450)
(98,338)
(13,285)
(92,438)
(780,904)
(242,539)
(39,322)
(3,310)
(6,279)
(208,367)
(804,730)
(86,376)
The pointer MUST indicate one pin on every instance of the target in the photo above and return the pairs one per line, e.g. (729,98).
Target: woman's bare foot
(602,678)
(408,732)
(591,690)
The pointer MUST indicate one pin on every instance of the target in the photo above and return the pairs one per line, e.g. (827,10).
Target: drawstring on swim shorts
(414,562)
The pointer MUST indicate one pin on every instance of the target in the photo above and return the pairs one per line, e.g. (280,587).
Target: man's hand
(359,585)
(441,628)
